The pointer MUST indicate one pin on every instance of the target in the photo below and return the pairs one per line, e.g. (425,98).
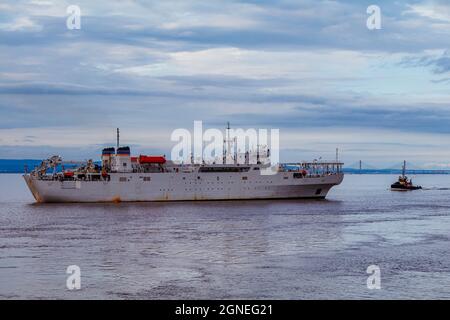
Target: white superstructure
(121,177)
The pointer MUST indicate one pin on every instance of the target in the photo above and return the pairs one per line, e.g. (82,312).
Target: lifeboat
(68,174)
(152,159)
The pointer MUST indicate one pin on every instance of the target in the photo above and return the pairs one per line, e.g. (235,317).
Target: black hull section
(405,188)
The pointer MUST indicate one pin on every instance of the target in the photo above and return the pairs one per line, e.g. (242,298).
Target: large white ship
(122,177)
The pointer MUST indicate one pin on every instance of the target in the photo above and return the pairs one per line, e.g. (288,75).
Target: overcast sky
(310,68)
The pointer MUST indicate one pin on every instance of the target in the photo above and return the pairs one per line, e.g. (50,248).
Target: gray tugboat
(403,183)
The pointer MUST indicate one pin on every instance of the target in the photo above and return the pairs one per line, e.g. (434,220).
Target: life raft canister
(68,174)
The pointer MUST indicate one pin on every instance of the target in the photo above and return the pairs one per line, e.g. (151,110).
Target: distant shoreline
(18,165)
(399,173)
(394,171)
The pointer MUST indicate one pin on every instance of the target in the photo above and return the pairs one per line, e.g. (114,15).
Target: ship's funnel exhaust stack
(107,156)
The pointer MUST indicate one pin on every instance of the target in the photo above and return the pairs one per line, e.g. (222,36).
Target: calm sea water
(231,249)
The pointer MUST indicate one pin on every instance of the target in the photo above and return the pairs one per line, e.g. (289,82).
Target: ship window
(124,164)
(147,178)
(123,179)
(318,191)
(244,178)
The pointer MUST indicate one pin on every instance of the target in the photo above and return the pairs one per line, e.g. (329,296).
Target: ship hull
(135,187)
(397,188)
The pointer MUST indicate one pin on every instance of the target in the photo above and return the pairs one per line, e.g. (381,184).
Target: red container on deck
(68,174)
(152,159)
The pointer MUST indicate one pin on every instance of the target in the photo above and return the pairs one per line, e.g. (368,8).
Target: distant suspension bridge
(410,167)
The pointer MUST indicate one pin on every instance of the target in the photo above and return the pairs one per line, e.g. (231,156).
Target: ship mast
(118,138)
(228,139)
(404,168)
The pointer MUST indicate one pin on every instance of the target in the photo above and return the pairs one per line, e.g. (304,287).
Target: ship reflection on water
(293,249)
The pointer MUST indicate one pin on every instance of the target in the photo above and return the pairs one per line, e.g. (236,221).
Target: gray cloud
(54,77)
(439,64)
(299,24)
